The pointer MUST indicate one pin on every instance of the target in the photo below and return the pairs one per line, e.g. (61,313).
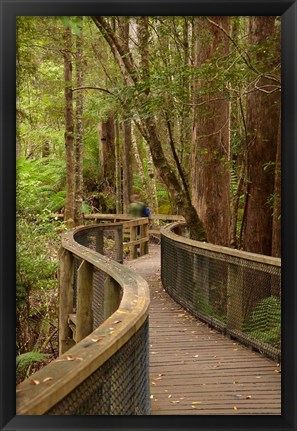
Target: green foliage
(24,360)
(264,322)
(39,184)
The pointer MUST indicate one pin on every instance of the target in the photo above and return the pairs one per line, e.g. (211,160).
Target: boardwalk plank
(192,363)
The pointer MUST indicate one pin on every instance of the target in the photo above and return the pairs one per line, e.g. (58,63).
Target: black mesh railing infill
(119,387)
(236,295)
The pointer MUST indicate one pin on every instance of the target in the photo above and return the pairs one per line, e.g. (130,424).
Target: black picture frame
(9,10)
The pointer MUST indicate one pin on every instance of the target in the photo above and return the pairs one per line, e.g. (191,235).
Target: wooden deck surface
(196,370)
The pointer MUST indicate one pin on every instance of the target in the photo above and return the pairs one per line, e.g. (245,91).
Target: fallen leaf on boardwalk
(154,353)
(34,382)
(235,382)
(196,356)
(169,396)
(277,371)
(152,396)
(153,383)
(235,408)
(174,402)
(47,379)
(196,402)
(117,321)
(160,375)
(159,378)
(258,377)
(95,340)
(248,397)
(121,311)
(71,358)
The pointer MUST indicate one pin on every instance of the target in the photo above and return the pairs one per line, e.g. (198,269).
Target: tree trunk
(79,129)
(263,111)
(211,141)
(127,142)
(276,224)
(69,213)
(118,171)
(107,151)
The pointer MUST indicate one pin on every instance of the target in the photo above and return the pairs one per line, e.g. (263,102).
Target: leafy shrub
(264,322)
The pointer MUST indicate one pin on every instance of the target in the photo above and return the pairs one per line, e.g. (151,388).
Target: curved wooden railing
(234,291)
(67,380)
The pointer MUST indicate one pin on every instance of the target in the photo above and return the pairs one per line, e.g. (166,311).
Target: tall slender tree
(262,121)
(69,213)
(210,176)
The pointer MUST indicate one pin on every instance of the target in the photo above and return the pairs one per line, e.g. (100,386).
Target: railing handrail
(255,257)
(44,389)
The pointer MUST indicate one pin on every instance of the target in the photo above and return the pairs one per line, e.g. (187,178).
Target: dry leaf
(169,396)
(248,397)
(117,321)
(47,379)
(174,402)
(34,382)
(70,358)
(235,408)
(152,396)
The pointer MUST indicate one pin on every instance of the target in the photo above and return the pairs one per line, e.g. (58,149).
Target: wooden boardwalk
(196,370)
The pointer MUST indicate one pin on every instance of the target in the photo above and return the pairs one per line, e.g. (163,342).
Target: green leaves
(24,360)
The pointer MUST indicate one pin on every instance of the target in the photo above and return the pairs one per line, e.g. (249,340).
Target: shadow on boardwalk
(196,370)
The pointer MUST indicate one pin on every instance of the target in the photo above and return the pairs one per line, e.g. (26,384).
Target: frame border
(9,9)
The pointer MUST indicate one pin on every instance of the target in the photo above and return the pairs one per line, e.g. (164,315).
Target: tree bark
(211,141)
(79,137)
(276,223)
(69,213)
(107,151)
(263,111)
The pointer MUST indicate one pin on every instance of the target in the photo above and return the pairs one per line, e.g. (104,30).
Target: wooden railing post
(144,233)
(66,299)
(112,296)
(100,241)
(234,296)
(133,237)
(84,312)
(119,243)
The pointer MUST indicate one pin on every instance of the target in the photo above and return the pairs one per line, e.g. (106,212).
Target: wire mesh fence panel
(119,387)
(235,294)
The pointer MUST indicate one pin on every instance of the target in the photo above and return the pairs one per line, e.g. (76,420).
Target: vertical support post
(133,237)
(144,233)
(234,297)
(112,297)
(84,313)
(119,243)
(66,299)
(99,241)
